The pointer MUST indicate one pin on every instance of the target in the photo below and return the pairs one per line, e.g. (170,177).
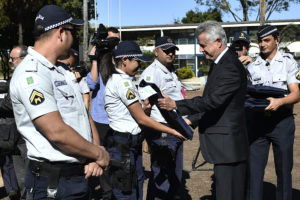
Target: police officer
(276,123)
(166,150)
(51,115)
(125,113)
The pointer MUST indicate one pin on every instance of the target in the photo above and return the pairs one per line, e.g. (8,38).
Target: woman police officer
(126,115)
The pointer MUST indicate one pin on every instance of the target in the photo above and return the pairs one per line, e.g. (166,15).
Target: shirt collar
(40,58)
(221,55)
(161,66)
(123,74)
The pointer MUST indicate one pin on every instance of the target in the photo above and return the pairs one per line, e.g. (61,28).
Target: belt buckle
(51,193)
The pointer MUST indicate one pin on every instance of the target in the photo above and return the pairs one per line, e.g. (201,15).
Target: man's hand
(245,60)
(275,103)
(103,159)
(187,121)
(166,103)
(92,169)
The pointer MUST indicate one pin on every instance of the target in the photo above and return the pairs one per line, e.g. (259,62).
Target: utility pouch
(123,173)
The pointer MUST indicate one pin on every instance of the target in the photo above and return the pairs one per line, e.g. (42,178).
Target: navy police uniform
(124,140)
(38,87)
(268,127)
(166,150)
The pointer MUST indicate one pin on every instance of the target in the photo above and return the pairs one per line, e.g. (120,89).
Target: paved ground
(198,183)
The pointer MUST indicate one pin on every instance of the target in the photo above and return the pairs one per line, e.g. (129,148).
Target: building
(183,36)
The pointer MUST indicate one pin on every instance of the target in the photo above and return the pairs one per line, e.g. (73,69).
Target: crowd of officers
(67,148)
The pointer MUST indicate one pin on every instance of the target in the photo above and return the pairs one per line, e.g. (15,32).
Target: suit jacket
(219,113)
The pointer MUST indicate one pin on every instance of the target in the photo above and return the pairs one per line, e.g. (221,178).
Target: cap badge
(39,17)
(169,40)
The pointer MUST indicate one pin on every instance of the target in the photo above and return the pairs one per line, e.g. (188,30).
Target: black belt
(47,169)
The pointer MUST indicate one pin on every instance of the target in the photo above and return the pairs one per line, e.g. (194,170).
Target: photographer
(241,44)
(104,42)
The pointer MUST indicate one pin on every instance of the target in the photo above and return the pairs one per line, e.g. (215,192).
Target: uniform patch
(30,80)
(298,75)
(130,94)
(126,84)
(148,78)
(36,97)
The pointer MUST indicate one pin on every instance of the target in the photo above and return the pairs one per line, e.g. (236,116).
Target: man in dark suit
(219,113)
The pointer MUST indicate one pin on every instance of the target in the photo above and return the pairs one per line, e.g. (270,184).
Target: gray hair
(23,50)
(213,30)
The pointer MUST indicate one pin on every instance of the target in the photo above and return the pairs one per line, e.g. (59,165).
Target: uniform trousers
(8,173)
(69,188)
(104,179)
(166,165)
(280,132)
(135,153)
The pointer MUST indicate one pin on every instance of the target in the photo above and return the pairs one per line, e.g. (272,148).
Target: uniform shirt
(98,112)
(120,92)
(279,72)
(84,89)
(37,88)
(167,81)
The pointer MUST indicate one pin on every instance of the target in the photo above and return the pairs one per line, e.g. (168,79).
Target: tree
(17,18)
(198,17)
(248,7)
(290,33)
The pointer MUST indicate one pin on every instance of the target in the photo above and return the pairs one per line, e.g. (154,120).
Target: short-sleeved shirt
(98,112)
(37,88)
(279,72)
(84,88)
(166,80)
(120,93)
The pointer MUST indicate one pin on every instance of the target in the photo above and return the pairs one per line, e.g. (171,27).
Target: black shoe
(13,195)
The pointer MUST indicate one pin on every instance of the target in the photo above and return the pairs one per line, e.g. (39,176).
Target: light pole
(120,18)
(95,5)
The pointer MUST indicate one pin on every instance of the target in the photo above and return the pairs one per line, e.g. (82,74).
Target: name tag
(60,83)
(168,80)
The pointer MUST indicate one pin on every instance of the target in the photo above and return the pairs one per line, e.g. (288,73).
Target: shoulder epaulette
(32,66)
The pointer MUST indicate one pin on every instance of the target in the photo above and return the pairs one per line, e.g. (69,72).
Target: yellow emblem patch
(130,94)
(298,75)
(243,35)
(170,40)
(36,97)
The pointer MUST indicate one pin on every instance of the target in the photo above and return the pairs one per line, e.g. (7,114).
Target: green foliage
(16,14)
(145,41)
(149,54)
(185,72)
(198,17)
(247,7)
(290,33)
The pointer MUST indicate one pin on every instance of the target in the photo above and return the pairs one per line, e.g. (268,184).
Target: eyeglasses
(14,58)
(72,30)
(170,50)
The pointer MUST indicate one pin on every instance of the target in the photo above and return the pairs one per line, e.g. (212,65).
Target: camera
(236,46)
(102,43)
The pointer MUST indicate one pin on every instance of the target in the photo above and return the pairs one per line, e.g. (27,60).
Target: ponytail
(107,68)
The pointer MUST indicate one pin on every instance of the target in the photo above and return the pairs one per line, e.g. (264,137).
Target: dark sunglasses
(72,30)
(170,50)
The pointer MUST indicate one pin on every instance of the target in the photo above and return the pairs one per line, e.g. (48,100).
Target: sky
(160,12)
